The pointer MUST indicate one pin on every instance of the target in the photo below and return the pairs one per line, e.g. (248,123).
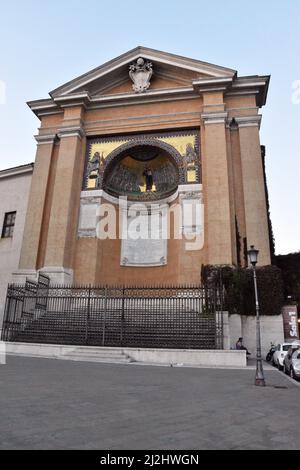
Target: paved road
(53,404)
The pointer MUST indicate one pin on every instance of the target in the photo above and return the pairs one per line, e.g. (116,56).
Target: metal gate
(161,317)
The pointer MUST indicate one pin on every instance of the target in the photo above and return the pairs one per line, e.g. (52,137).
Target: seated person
(239,345)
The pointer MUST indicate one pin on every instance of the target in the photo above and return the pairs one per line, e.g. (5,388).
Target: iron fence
(163,317)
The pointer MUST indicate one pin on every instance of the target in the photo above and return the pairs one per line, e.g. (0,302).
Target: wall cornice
(217,80)
(205,85)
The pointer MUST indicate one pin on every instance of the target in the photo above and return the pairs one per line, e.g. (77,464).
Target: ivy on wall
(237,284)
(290,267)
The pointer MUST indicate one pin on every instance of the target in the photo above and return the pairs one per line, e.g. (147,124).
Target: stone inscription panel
(144,240)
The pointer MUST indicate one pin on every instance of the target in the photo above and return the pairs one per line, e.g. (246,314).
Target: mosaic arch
(144,166)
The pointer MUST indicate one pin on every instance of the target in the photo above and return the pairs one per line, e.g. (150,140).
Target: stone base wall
(176,357)
(245,326)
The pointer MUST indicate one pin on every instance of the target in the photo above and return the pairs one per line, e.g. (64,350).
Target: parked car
(291,363)
(279,354)
(295,367)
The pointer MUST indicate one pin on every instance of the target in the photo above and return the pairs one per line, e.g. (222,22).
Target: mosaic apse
(150,167)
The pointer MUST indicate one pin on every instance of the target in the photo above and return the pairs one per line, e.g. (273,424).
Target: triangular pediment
(169,71)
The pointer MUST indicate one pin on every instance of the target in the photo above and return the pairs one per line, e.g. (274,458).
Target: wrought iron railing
(163,317)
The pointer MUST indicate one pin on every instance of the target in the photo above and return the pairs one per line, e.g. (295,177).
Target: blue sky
(46,43)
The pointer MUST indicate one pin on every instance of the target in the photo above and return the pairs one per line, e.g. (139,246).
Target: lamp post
(259,376)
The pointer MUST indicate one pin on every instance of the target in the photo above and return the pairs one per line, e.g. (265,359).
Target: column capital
(71,131)
(45,138)
(214,118)
(249,121)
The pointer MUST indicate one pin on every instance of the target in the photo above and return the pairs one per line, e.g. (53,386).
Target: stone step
(91,358)
(96,349)
(96,354)
(103,354)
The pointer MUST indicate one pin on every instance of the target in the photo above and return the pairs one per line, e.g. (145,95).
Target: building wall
(98,262)
(233,190)
(14,192)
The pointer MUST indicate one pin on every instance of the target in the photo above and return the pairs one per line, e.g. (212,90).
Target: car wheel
(279,366)
(285,369)
(292,375)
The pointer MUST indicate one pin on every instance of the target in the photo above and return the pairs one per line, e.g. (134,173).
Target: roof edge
(140,50)
(17,170)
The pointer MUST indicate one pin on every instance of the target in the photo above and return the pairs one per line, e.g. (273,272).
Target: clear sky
(43,44)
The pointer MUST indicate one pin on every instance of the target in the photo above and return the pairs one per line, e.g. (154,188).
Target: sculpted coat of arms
(141,73)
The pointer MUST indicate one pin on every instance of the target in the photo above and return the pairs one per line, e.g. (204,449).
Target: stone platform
(182,357)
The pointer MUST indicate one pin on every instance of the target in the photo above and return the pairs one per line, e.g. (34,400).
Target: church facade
(147,168)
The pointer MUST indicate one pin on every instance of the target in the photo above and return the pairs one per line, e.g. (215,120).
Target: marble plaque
(87,218)
(144,241)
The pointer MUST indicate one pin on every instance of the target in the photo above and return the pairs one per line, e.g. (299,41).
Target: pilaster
(61,239)
(36,203)
(256,219)
(216,181)
(238,190)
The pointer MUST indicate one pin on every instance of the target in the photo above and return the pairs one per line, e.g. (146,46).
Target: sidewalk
(251,364)
(50,404)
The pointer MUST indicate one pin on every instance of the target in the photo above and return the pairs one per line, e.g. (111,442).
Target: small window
(9,224)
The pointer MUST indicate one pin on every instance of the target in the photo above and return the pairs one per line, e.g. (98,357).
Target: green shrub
(290,267)
(238,288)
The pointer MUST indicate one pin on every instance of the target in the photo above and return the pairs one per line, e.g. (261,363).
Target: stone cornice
(253,85)
(44,107)
(123,202)
(78,99)
(236,86)
(161,93)
(120,99)
(116,102)
(212,84)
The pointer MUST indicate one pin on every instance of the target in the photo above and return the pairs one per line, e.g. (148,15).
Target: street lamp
(259,377)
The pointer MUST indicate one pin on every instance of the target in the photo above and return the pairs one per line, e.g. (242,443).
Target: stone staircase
(95,354)
(138,329)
